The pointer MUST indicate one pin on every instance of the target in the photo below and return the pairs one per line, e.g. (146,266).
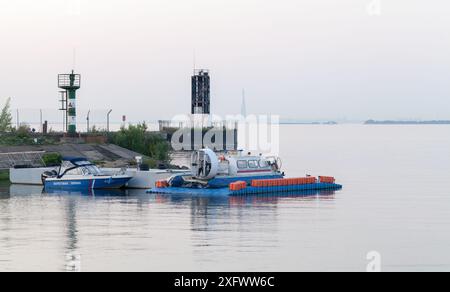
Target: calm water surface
(396,201)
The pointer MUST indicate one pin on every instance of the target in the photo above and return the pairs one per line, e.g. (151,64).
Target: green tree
(136,138)
(5,117)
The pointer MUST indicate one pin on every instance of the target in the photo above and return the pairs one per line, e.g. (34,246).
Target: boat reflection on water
(323,195)
(90,193)
(24,190)
(242,218)
(29,190)
(274,199)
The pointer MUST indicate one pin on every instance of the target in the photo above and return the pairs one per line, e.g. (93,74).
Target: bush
(23,136)
(17,137)
(136,138)
(51,159)
(152,163)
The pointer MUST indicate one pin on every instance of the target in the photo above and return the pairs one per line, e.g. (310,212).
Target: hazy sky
(306,59)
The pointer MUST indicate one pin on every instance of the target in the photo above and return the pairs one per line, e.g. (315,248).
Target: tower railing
(65,81)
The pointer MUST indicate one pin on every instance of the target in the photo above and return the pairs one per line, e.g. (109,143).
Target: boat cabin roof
(77,166)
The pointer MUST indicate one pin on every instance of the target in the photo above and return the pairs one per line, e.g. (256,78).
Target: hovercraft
(238,174)
(215,171)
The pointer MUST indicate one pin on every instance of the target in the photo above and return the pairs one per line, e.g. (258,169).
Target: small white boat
(142,176)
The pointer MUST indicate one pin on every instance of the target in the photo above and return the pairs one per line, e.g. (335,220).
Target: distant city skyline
(307,60)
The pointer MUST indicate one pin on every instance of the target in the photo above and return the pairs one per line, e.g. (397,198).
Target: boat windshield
(90,170)
(80,168)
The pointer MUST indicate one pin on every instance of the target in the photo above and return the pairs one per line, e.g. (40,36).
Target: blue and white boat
(214,171)
(80,174)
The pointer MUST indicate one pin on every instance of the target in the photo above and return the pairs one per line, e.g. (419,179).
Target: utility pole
(88,119)
(109,113)
(41,125)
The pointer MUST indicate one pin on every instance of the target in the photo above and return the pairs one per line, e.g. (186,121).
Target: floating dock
(257,187)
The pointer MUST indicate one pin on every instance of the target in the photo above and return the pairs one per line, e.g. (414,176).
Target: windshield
(91,169)
(81,168)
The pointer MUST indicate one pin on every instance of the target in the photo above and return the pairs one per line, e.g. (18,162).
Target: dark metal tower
(201,92)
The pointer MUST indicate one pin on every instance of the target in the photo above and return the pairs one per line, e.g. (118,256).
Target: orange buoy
(162,184)
(327,179)
(238,186)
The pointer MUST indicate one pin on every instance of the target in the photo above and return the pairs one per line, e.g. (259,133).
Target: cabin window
(263,164)
(92,169)
(242,164)
(253,164)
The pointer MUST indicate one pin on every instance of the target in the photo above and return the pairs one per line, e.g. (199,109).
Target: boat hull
(223,181)
(251,191)
(90,183)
